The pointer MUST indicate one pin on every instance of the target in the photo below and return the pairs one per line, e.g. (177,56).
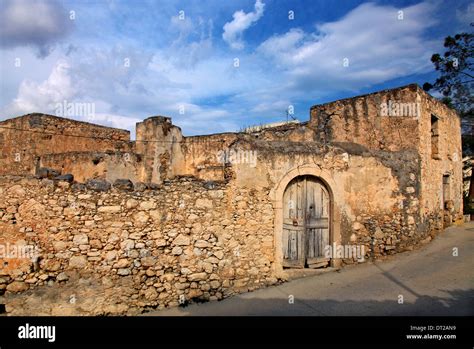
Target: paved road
(431,280)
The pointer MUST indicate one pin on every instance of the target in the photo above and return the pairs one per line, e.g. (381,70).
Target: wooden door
(306,216)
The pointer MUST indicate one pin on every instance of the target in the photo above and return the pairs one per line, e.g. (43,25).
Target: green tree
(456,68)
(456,84)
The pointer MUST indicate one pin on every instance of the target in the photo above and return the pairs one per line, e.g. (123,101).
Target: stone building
(203,217)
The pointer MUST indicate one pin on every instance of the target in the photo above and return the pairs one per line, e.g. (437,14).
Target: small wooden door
(306,217)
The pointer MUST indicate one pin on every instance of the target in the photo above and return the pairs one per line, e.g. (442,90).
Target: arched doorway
(306,223)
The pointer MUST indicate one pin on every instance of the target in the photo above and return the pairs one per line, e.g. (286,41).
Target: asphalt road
(431,281)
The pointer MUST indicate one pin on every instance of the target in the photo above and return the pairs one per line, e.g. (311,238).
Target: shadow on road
(456,303)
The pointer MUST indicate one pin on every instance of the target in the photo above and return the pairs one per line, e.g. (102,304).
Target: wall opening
(435,137)
(446,190)
(306,223)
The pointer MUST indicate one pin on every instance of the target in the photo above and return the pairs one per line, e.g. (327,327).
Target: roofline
(415,85)
(66,119)
(295,123)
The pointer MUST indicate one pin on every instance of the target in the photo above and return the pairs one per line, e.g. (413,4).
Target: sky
(212,66)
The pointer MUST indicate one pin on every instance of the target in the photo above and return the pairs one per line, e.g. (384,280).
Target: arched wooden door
(306,219)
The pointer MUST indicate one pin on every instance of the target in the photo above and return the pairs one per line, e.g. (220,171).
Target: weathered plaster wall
(360,121)
(448,161)
(374,200)
(158,143)
(85,165)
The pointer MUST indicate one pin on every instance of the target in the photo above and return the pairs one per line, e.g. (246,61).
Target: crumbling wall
(190,240)
(204,156)
(24,140)
(376,194)
(438,199)
(159,145)
(394,126)
(370,120)
(186,240)
(105,165)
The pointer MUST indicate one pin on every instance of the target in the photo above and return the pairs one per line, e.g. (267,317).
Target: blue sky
(134,59)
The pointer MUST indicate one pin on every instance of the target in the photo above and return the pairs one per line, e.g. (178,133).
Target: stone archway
(277,196)
(306,223)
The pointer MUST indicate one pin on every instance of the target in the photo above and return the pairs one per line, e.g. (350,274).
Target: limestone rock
(16,190)
(177,251)
(147,205)
(80,239)
(156,215)
(59,245)
(124,272)
(203,203)
(109,209)
(77,262)
(379,233)
(148,261)
(197,277)
(201,244)
(219,254)
(141,217)
(151,294)
(182,240)
(17,286)
(122,263)
(195,293)
(51,265)
(62,277)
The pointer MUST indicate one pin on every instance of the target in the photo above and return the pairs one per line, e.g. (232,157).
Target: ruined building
(167,219)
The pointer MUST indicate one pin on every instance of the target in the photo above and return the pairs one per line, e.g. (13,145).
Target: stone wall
(394,126)
(158,143)
(437,197)
(24,140)
(201,228)
(104,165)
(117,252)
(361,120)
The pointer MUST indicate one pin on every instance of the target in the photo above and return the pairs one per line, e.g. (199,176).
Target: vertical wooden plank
(285,244)
(293,245)
(325,201)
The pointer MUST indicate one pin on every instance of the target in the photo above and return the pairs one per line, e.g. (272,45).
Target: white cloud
(282,43)
(377,45)
(194,42)
(242,21)
(42,97)
(299,66)
(114,120)
(33,23)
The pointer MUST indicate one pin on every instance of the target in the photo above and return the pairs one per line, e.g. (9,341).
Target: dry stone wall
(121,252)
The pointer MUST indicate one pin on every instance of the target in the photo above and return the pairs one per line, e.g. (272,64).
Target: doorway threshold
(293,274)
